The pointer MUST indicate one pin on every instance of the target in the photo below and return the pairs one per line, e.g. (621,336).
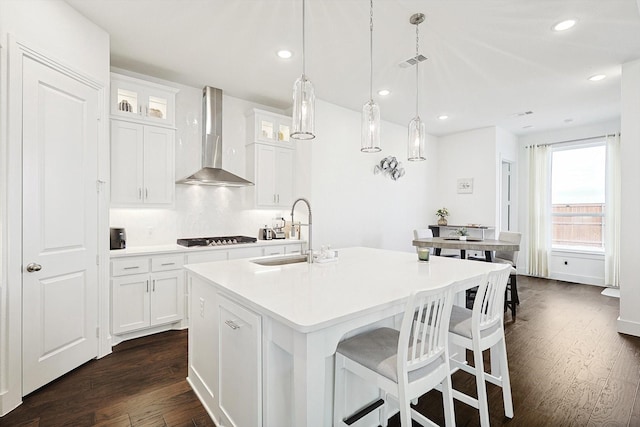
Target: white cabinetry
(143,101)
(271,168)
(240,364)
(146,292)
(269,127)
(142,164)
(270,159)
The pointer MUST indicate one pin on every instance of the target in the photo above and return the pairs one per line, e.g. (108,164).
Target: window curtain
(539,244)
(612,213)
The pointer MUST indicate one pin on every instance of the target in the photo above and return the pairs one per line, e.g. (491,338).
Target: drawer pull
(132,268)
(233,325)
(168,263)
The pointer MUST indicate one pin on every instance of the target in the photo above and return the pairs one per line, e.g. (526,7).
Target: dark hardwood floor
(568,365)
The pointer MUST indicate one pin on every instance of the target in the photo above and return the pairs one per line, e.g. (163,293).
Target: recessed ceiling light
(564,25)
(285,54)
(384,92)
(527,127)
(443,117)
(568,120)
(597,77)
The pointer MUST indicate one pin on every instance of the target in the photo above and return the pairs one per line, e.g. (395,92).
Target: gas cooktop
(216,241)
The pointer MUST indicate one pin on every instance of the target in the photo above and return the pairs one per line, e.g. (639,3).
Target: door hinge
(99,183)
(98,332)
(97,259)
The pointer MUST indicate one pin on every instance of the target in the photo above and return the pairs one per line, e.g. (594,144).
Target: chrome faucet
(309,251)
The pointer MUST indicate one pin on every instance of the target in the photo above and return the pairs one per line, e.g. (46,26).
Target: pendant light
(370,137)
(416,140)
(304,99)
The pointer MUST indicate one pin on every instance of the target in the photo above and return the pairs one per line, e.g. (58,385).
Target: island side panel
(203,345)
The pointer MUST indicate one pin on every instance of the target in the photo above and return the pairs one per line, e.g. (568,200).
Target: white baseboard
(574,278)
(629,328)
(611,292)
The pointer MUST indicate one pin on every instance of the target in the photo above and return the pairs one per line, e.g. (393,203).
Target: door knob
(33,267)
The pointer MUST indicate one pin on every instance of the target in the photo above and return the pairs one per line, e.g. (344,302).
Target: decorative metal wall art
(391,167)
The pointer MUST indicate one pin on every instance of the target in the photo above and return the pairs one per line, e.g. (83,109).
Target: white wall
(470,154)
(352,206)
(563,265)
(629,320)
(56,30)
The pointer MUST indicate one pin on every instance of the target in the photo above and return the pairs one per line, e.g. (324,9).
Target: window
(578,197)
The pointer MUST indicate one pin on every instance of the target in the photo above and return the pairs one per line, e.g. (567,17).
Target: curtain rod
(573,140)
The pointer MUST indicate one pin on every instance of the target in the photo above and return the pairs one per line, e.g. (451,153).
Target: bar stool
(478,330)
(403,364)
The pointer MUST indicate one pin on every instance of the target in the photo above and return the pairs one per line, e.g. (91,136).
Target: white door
(505,197)
(60,214)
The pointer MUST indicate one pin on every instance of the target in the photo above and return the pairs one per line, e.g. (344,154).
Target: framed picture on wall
(465,185)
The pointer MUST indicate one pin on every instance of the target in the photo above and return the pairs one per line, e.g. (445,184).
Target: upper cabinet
(269,127)
(142,165)
(270,159)
(142,101)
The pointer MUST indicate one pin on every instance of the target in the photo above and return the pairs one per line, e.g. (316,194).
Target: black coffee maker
(118,238)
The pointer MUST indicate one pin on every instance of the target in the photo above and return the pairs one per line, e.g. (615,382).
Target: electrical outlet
(201,307)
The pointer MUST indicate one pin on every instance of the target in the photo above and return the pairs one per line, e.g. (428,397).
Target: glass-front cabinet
(144,101)
(269,127)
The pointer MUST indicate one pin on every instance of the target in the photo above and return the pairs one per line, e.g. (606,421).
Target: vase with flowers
(442,215)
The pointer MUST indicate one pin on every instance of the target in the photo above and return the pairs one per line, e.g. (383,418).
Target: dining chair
(510,257)
(480,329)
(404,364)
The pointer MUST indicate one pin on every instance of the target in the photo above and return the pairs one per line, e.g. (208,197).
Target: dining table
(488,246)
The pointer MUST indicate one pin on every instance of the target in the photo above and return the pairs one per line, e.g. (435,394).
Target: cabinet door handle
(233,325)
(168,263)
(140,110)
(154,285)
(146,193)
(131,268)
(140,193)
(278,198)
(147,286)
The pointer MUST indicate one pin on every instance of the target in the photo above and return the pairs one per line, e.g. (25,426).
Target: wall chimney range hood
(212,172)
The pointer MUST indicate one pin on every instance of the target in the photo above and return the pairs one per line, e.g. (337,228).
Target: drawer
(293,249)
(123,267)
(208,256)
(245,253)
(163,263)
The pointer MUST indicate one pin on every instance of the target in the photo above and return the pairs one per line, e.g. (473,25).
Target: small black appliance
(118,238)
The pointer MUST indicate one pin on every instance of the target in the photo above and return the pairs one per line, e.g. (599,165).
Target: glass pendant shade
(416,140)
(370,128)
(304,100)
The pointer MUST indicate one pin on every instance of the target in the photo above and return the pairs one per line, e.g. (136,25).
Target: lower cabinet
(225,356)
(146,292)
(240,364)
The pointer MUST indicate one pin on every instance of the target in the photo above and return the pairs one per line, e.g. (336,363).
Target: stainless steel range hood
(212,172)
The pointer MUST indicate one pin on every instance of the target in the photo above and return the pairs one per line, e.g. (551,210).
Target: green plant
(462,232)
(442,213)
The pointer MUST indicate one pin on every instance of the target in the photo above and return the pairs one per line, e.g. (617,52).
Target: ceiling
(489,61)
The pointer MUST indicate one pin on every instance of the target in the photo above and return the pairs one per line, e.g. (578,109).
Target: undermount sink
(280,260)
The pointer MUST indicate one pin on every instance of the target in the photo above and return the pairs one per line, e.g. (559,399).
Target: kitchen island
(262,338)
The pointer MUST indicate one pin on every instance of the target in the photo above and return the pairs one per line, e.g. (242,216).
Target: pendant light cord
(417,65)
(303,40)
(371,52)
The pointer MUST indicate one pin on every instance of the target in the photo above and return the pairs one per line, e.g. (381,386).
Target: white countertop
(168,249)
(309,297)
